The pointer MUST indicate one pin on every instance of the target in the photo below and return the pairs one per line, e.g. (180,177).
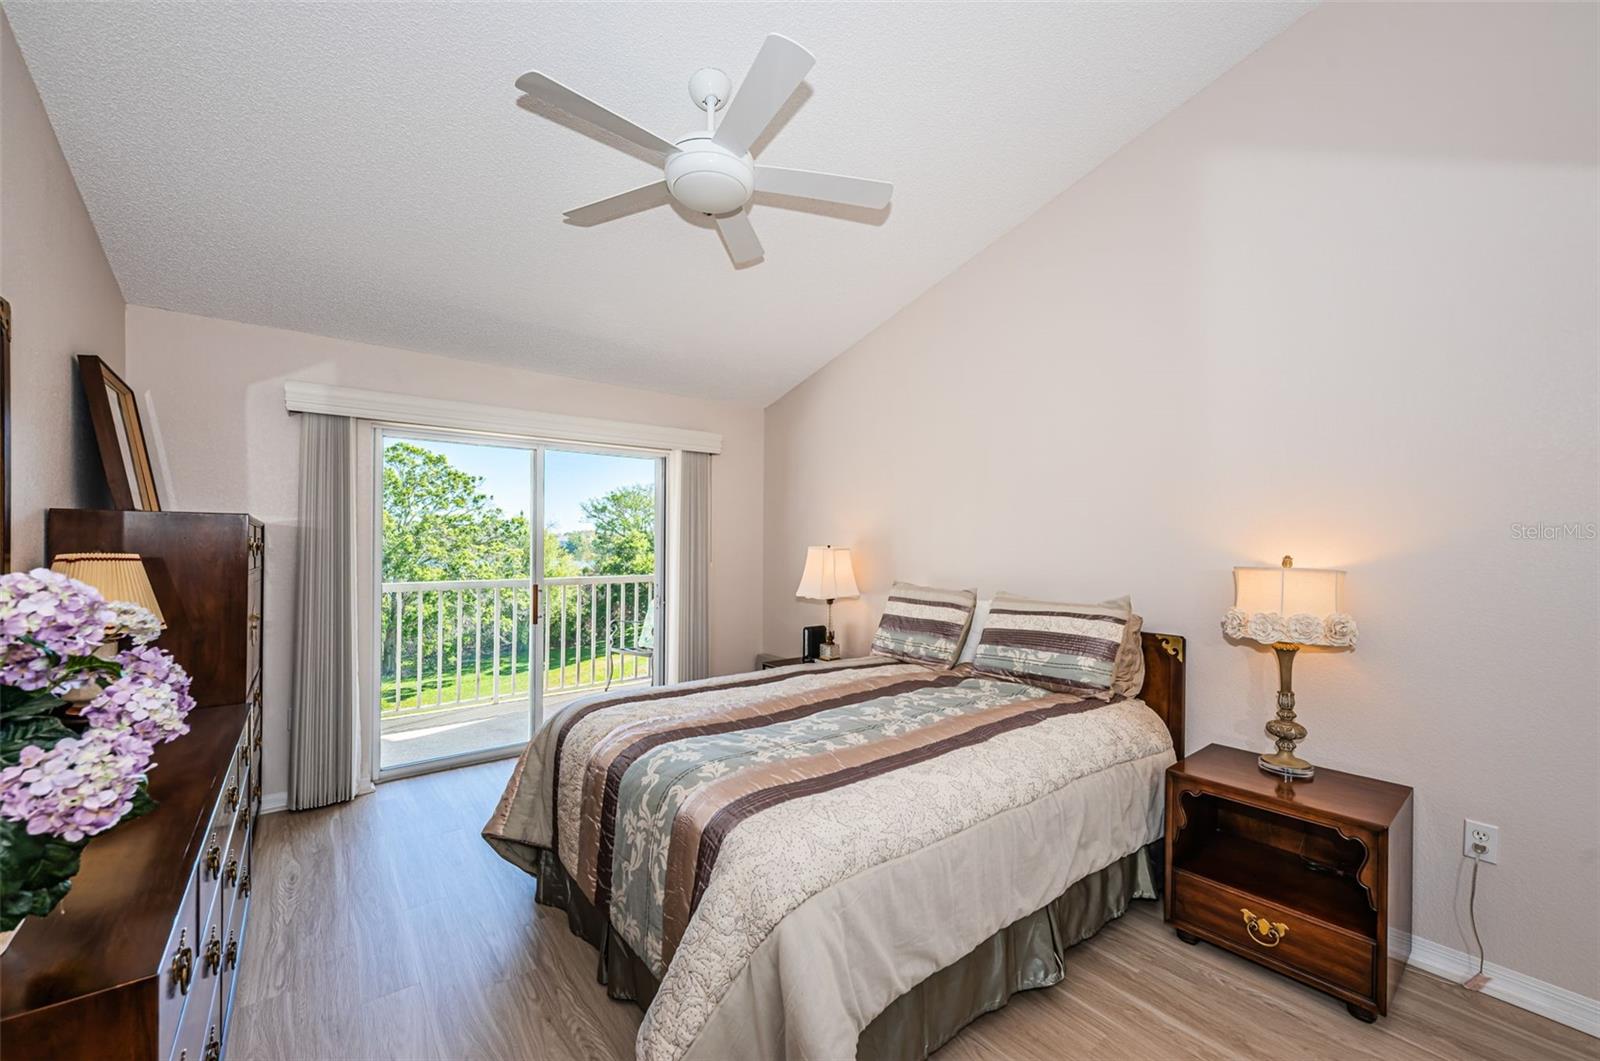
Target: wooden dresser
(138,961)
(206,568)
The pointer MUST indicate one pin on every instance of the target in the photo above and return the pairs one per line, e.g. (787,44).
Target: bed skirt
(1029,953)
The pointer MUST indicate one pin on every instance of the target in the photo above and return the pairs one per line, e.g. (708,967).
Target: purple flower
(44,618)
(150,700)
(82,786)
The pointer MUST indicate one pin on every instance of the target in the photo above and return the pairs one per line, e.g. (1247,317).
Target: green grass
(512,681)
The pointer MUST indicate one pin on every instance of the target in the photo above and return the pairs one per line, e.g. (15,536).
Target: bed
(840,859)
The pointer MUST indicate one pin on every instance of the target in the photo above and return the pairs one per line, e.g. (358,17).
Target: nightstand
(1311,879)
(768,662)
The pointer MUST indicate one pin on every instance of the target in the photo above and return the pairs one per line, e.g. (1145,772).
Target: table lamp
(828,576)
(1289,608)
(118,577)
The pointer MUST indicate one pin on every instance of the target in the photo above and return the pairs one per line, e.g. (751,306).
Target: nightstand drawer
(1286,941)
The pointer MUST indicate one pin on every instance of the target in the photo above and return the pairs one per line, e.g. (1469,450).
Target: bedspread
(698,816)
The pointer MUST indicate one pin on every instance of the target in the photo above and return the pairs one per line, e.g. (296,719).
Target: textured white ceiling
(363,171)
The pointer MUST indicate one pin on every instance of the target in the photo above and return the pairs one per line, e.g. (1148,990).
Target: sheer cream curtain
(689,594)
(323,714)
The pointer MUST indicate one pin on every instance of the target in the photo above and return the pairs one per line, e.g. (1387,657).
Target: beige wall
(217,392)
(1341,305)
(64,301)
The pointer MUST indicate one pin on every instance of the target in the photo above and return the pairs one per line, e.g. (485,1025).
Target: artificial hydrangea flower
(151,710)
(82,786)
(135,621)
(44,618)
(150,700)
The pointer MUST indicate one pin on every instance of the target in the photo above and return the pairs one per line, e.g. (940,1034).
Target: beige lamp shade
(828,576)
(1289,605)
(118,577)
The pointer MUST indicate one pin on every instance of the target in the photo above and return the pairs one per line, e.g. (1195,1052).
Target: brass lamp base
(1284,730)
(1287,765)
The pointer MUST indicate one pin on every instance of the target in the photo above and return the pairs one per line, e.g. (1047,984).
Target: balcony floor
(419,736)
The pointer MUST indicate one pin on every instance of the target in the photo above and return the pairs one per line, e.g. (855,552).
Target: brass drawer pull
(244,885)
(232,798)
(214,951)
(214,860)
(230,957)
(183,962)
(230,876)
(213,1045)
(255,792)
(1267,933)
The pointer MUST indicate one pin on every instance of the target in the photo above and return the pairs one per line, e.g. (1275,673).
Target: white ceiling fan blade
(779,68)
(561,97)
(740,237)
(629,202)
(829,187)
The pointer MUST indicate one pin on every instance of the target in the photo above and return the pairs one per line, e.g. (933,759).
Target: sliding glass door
(514,577)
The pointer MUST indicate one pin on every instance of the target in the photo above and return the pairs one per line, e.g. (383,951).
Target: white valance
(416,411)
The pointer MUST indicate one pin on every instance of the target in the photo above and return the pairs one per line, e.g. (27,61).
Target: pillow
(1058,645)
(969,648)
(924,625)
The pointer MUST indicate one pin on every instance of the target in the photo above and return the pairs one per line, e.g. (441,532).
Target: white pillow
(980,615)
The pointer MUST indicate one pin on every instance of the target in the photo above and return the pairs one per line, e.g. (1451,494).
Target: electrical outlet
(1486,836)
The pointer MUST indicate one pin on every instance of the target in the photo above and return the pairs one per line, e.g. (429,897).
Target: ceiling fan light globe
(709,179)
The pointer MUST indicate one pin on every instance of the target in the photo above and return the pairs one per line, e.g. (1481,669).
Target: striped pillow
(1070,647)
(923,624)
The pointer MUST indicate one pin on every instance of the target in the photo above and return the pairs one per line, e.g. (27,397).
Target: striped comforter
(641,794)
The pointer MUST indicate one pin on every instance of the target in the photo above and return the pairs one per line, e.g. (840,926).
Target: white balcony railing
(467,643)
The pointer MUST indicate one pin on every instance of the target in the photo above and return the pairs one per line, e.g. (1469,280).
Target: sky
(569,478)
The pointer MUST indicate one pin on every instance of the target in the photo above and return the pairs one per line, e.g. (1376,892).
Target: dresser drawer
(180,964)
(200,1015)
(1288,942)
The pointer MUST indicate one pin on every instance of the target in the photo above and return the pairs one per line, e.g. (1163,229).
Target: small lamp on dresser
(1289,608)
(118,577)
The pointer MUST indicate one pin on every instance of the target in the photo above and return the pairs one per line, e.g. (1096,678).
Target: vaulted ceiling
(362,170)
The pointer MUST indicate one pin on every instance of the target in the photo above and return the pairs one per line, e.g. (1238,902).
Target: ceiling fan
(711,171)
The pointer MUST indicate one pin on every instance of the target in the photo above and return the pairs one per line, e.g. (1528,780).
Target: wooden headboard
(1163,682)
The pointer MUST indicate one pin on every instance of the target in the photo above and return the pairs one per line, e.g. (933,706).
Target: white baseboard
(1508,985)
(273,802)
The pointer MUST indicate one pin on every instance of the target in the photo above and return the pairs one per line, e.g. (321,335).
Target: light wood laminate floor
(386,928)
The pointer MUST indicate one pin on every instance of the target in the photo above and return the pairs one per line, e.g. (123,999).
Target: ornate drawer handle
(232,798)
(230,876)
(255,792)
(244,885)
(214,860)
(231,956)
(213,1045)
(183,962)
(214,951)
(1267,933)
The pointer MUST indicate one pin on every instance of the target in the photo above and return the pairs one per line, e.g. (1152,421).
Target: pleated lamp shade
(118,577)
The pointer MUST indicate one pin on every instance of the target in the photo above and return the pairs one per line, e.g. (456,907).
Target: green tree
(624,530)
(558,561)
(438,524)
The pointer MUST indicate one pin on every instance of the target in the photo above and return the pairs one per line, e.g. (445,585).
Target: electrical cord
(1476,982)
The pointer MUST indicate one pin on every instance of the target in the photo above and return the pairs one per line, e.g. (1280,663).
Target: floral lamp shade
(1289,605)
